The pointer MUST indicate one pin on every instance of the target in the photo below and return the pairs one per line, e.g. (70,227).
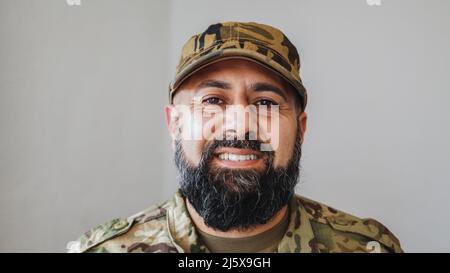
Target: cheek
(287,137)
(193,138)
(202,130)
(193,150)
(201,124)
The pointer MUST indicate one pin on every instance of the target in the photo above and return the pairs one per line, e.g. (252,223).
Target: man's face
(225,173)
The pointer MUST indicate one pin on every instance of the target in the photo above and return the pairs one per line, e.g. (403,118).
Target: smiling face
(227,164)
(238,82)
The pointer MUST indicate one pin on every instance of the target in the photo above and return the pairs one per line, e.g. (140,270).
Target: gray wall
(82,91)
(82,88)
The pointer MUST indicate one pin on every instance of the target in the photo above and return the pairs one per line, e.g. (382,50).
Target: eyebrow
(214,83)
(257,87)
(262,86)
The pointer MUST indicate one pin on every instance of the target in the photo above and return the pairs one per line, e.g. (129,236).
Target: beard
(234,198)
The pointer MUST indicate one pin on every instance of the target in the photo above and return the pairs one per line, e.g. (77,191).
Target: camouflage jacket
(313,227)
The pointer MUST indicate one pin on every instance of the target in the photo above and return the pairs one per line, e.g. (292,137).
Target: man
(237,120)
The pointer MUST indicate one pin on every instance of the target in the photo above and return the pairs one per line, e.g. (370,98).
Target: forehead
(234,71)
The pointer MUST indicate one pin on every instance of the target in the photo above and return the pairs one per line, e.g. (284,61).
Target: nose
(240,122)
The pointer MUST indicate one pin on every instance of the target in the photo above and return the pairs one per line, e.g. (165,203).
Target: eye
(213,100)
(266,102)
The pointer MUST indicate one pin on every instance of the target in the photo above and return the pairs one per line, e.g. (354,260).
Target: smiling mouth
(239,158)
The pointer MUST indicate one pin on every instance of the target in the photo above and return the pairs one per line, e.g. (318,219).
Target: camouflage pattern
(313,227)
(263,44)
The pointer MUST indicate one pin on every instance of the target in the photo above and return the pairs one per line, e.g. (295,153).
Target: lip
(238,151)
(246,164)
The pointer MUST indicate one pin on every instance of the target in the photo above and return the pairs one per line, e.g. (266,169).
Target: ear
(302,124)
(171,115)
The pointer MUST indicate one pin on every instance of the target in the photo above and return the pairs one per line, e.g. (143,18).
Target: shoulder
(338,231)
(145,231)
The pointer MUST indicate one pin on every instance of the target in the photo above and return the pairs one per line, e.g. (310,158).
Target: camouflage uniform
(313,227)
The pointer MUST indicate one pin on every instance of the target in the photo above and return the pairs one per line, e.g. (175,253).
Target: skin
(238,79)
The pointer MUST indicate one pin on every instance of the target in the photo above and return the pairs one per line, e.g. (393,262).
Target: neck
(235,232)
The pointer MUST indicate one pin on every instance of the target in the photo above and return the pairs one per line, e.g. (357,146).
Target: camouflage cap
(260,43)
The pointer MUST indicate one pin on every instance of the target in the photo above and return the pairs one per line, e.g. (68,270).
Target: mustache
(241,144)
(246,143)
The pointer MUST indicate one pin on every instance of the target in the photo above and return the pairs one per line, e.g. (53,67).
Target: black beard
(228,199)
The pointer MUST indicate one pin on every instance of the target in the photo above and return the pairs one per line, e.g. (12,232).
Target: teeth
(235,157)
